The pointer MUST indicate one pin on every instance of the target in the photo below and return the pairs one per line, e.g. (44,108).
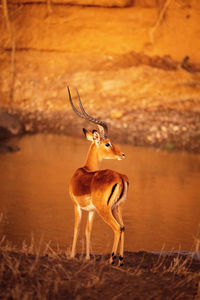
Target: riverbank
(164,128)
(24,275)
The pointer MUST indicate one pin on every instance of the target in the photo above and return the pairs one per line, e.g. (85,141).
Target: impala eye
(108,145)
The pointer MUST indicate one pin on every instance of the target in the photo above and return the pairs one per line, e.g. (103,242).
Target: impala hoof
(121,261)
(122,229)
(113,258)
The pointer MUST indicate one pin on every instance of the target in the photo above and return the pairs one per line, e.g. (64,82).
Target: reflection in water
(163,205)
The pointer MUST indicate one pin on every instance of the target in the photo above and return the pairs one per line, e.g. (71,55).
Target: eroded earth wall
(137,67)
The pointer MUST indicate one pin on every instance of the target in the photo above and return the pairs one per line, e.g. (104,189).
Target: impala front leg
(88,232)
(78,215)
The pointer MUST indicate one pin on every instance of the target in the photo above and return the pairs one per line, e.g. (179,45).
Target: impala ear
(85,132)
(93,136)
(96,137)
(88,135)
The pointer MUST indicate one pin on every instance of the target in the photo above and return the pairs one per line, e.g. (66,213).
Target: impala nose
(122,156)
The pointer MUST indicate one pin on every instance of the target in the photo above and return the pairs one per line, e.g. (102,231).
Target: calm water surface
(162,208)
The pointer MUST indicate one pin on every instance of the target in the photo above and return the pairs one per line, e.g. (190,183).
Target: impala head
(99,139)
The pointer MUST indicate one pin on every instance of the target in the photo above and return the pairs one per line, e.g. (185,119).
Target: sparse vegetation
(135,71)
(32,273)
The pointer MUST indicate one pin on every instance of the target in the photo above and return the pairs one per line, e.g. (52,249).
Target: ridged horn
(103,127)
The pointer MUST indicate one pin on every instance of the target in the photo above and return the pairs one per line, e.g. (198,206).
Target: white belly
(89,207)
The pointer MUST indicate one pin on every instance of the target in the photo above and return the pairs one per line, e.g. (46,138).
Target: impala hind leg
(108,217)
(117,212)
(78,215)
(88,232)
(117,237)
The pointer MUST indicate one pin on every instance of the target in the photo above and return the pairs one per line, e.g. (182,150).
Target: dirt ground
(54,276)
(138,72)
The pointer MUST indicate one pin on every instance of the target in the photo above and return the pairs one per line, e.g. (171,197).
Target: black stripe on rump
(122,192)
(113,188)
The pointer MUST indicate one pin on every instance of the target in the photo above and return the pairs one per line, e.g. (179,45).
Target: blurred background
(136,65)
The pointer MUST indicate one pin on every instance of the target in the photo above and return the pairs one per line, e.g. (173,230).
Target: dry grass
(38,272)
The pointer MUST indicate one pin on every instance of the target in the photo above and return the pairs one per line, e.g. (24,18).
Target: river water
(162,210)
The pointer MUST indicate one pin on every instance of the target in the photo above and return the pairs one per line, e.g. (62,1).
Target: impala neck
(92,160)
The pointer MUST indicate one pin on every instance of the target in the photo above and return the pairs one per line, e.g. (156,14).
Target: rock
(9,125)
(8,148)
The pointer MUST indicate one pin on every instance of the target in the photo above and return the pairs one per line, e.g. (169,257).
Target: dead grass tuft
(38,272)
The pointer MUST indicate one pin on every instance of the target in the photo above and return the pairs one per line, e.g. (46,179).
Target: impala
(94,190)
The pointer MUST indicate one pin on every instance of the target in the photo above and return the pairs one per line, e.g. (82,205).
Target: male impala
(103,191)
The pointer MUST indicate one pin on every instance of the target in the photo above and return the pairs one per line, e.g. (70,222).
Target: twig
(5,13)
(159,20)
(12,69)
(49,7)
(12,40)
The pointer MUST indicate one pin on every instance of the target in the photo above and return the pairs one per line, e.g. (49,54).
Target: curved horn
(104,126)
(92,119)
(73,107)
